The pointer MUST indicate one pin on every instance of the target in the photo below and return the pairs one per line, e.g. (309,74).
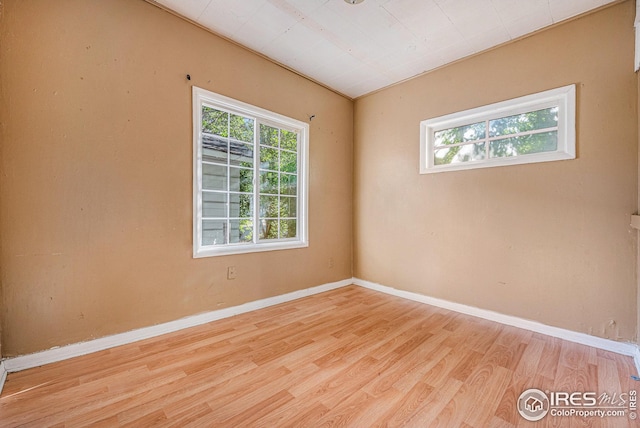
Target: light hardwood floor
(348,357)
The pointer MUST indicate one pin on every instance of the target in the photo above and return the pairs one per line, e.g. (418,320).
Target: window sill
(244,249)
(506,161)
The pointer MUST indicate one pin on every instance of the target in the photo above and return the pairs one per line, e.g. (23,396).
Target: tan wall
(638,211)
(549,242)
(96,196)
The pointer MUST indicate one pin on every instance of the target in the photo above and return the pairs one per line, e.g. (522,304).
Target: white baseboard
(77,349)
(3,375)
(623,348)
(24,362)
(636,359)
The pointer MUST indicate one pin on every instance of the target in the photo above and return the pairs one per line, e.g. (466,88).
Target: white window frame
(203,97)
(564,98)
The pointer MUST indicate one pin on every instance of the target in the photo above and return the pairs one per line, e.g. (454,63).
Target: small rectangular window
(250,169)
(534,128)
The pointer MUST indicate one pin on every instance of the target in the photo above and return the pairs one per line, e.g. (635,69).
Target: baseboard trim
(3,375)
(53,355)
(636,359)
(624,348)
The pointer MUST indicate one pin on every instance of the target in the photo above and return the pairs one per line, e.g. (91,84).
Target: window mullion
(524,133)
(279,177)
(256,181)
(228,220)
(465,143)
(486,139)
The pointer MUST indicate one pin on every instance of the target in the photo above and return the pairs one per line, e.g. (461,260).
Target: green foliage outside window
(228,149)
(469,142)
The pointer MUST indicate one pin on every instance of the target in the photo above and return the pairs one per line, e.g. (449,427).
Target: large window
(534,128)
(250,178)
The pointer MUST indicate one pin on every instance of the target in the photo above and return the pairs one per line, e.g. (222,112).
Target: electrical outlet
(231,272)
(330,264)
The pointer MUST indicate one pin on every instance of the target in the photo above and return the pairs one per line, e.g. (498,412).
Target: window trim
(202,96)
(564,98)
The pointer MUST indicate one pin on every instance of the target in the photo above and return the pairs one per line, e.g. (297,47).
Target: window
(534,128)
(250,178)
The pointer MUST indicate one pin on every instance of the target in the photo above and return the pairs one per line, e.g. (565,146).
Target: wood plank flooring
(348,357)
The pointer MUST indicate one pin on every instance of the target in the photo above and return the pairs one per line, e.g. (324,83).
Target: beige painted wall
(548,242)
(638,211)
(95,194)
(95,211)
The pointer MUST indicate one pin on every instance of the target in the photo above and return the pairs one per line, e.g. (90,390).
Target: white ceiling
(356,49)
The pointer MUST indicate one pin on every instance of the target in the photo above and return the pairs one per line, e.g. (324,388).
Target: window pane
(459,154)
(240,205)
(214,232)
(268,229)
(215,121)
(288,184)
(288,140)
(288,161)
(540,119)
(241,128)
(240,180)
(269,182)
(268,158)
(288,206)
(268,135)
(460,134)
(214,177)
(240,231)
(288,229)
(214,149)
(214,204)
(241,154)
(268,206)
(524,145)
